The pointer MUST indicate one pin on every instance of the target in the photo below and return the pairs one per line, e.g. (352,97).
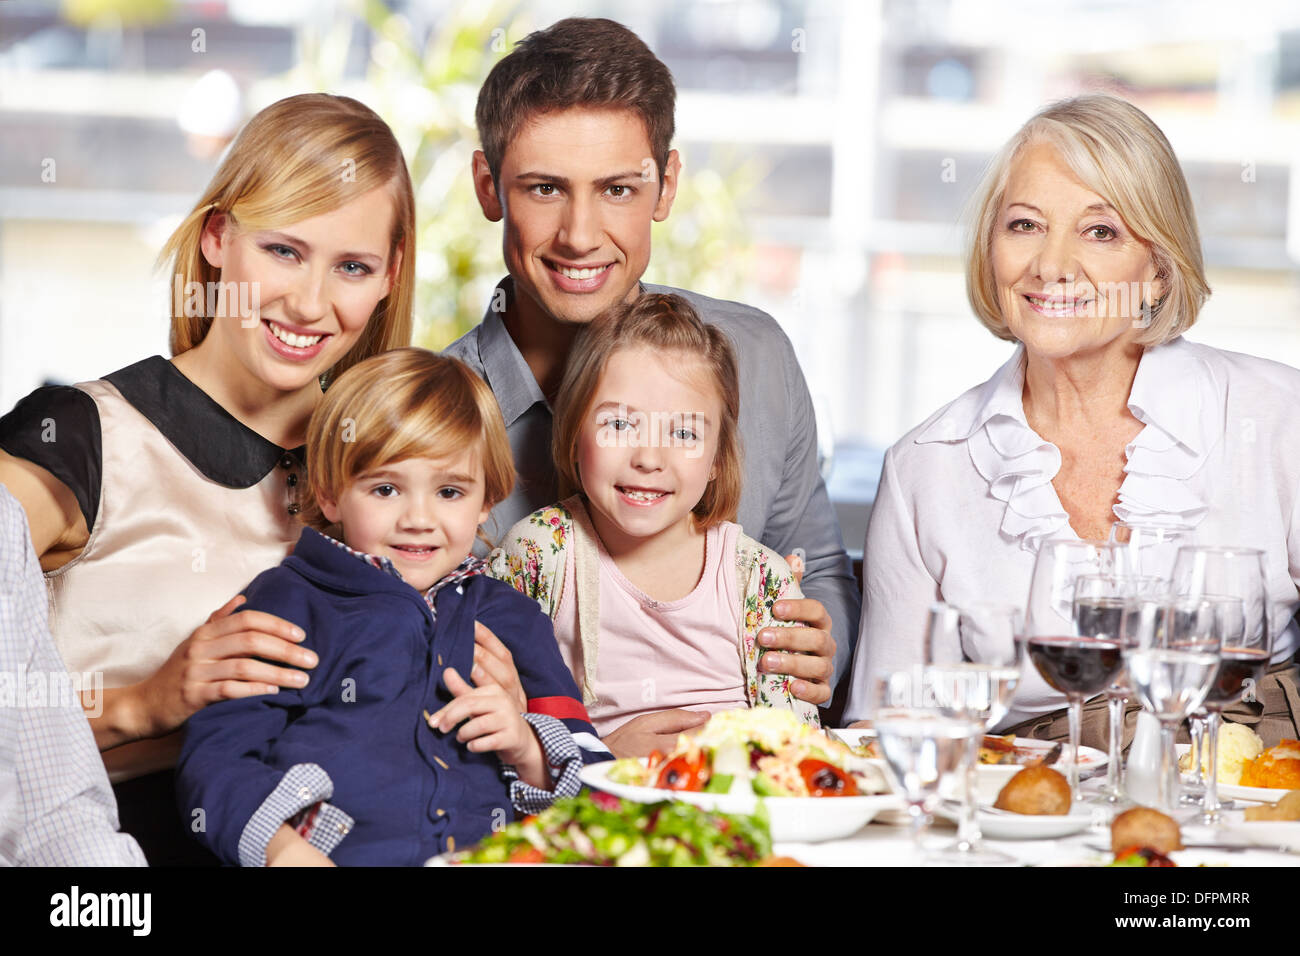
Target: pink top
(657,655)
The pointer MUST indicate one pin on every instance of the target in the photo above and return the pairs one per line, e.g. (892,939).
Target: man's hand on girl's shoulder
(806,653)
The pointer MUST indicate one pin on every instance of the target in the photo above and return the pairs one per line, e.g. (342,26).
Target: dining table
(887,839)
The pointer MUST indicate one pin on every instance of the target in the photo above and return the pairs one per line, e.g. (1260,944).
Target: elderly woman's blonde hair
(1120,154)
(402,404)
(301,157)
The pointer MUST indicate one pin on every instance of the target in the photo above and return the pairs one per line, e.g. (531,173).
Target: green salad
(599,830)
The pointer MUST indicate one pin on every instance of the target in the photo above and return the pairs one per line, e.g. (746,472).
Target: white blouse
(966,498)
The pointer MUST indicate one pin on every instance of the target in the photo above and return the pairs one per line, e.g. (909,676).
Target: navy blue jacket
(410,790)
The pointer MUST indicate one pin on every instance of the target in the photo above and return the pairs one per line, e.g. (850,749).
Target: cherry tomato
(683,773)
(530,855)
(826,780)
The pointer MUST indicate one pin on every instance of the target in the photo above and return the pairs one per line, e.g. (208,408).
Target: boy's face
(421,514)
(578,190)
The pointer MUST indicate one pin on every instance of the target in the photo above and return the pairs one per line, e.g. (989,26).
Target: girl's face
(421,514)
(294,300)
(646,452)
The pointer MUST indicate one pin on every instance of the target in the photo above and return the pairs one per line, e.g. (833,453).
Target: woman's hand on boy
(494,664)
(490,721)
(218,662)
(809,650)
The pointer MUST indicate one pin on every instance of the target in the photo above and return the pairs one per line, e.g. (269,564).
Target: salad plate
(792,819)
(811,785)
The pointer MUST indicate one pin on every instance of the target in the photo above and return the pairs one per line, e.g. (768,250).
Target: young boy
(576,126)
(364,764)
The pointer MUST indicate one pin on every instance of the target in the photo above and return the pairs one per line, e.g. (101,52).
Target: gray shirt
(784,502)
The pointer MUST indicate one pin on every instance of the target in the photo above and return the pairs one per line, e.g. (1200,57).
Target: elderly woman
(1085,252)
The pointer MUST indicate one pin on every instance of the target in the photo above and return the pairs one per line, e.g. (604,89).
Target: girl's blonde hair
(1120,154)
(666,323)
(401,404)
(298,158)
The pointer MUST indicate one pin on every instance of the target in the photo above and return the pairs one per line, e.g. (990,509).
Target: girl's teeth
(644,495)
(297,341)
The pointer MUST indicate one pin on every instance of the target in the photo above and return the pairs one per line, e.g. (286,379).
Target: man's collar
(504,366)
(223,448)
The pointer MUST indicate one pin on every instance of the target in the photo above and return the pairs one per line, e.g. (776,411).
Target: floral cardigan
(532,560)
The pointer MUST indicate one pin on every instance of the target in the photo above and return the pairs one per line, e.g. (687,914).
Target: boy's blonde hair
(302,157)
(407,403)
(666,323)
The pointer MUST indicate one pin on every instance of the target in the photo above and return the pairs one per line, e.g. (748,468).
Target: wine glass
(1078,667)
(1060,561)
(1172,656)
(1150,549)
(973,665)
(1101,602)
(1234,581)
(921,744)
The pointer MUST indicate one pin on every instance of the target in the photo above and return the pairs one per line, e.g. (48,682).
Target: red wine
(1236,665)
(1076,665)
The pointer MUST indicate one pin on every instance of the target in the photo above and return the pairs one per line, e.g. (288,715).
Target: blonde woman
(1085,251)
(157,492)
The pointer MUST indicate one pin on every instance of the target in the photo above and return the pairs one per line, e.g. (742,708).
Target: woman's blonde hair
(302,157)
(1120,154)
(665,323)
(405,403)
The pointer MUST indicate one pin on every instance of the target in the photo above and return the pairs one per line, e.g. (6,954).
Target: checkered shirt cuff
(298,800)
(564,759)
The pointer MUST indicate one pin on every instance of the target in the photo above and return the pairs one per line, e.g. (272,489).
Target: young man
(576,125)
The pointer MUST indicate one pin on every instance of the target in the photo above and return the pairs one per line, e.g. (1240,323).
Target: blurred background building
(829,145)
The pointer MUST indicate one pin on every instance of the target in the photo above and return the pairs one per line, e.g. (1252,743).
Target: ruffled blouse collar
(1176,397)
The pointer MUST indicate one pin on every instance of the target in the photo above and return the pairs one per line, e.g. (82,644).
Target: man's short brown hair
(576,62)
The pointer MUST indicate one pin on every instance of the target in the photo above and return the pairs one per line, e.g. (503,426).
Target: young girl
(656,595)
(407,453)
(155,493)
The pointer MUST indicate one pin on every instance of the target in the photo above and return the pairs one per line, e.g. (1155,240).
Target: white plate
(1232,791)
(792,819)
(990,778)
(1089,757)
(997,825)
(1270,833)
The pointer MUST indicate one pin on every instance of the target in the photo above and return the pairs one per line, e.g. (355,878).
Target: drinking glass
(1234,582)
(1101,602)
(973,665)
(1060,561)
(1150,549)
(920,743)
(1077,667)
(1172,657)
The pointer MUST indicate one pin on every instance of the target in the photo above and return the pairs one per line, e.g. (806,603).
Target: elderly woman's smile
(1071,276)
